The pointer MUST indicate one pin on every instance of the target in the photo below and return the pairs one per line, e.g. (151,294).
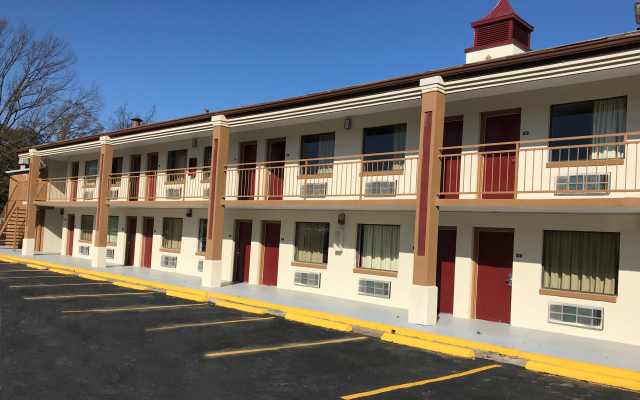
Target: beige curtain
(172,233)
(581,261)
(312,240)
(379,247)
(86,227)
(609,116)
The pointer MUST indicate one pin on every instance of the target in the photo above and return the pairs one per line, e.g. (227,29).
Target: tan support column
(29,241)
(212,266)
(99,251)
(423,302)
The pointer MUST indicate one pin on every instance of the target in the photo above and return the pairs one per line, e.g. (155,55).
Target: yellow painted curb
(241,307)
(93,278)
(61,271)
(132,286)
(187,296)
(582,375)
(427,345)
(319,322)
(36,266)
(582,366)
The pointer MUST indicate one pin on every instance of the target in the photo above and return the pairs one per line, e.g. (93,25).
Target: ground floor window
(581,261)
(202,235)
(379,247)
(86,227)
(312,242)
(112,230)
(172,233)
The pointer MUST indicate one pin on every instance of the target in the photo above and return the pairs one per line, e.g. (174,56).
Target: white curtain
(326,146)
(172,233)
(399,143)
(609,116)
(312,239)
(581,261)
(379,247)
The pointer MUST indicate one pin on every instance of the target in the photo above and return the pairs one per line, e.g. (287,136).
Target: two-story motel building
(506,189)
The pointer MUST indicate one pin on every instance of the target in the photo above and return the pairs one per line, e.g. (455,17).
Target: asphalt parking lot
(65,337)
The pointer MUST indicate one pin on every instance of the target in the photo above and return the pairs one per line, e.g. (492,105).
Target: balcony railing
(359,177)
(165,185)
(541,169)
(69,189)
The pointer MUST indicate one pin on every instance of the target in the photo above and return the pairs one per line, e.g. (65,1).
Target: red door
(148,242)
(134,177)
(451,166)
(446,269)
(271,253)
(276,170)
(71,224)
(247,173)
(75,170)
(130,246)
(500,167)
(495,266)
(151,176)
(243,251)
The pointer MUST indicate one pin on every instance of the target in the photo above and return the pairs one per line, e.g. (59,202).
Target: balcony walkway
(534,341)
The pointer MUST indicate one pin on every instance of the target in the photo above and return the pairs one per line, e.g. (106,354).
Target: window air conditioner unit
(369,287)
(583,182)
(88,194)
(84,250)
(168,261)
(381,187)
(569,314)
(200,263)
(310,279)
(205,192)
(113,193)
(110,253)
(174,193)
(313,189)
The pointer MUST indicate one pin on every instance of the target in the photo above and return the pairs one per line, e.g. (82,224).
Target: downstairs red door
(446,269)
(495,266)
(243,251)
(148,242)
(271,253)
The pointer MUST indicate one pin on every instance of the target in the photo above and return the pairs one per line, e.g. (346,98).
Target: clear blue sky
(188,55)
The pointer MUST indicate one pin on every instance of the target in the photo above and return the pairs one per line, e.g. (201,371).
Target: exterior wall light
(347,123)
(62,211)
(341,219)
(194,143)
(189,212)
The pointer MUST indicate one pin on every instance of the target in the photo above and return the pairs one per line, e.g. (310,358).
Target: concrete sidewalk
(533,341)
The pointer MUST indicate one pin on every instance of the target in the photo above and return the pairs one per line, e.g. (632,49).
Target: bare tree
(121,118)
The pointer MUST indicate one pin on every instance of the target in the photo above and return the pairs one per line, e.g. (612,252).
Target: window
(90,170)
(379,247)
(172,233)
(176,159)
(384,139)
(312,242)
(207,163)
(581,261)
(112,230)
(116,168)
(320,146)
(86,227)
(588,118)
(202,235)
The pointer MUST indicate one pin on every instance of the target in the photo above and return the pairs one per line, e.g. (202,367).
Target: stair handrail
(8,211)
(18,229)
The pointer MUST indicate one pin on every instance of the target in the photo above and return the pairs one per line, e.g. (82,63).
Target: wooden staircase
(12,223)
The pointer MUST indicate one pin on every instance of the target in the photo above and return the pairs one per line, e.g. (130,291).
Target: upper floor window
(90,169)
(588,118)
(384,139)
(581,261)
(177,159)
(379,247)
(320,146)
(116,165)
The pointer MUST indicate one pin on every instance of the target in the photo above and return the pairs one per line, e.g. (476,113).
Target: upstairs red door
(276,170)
(271,253)
(243,251)
(247,173)
(446,269)
(134,177)
(152,167)
(451,166)
(75,170)
(71,224)
(148,242)
(500,165)
(495,266)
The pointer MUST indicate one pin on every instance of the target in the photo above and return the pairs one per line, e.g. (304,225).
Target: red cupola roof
(501,26)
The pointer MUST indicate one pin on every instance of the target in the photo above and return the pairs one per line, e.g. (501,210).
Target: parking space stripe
(162,328)
(229,353)
(18,270)
(408,385)
(55,285)
(133,308)
(31,277)
(85,295)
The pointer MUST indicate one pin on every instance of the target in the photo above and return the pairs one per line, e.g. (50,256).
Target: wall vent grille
(174,193)
(313,189)
(110,253)
(200,264)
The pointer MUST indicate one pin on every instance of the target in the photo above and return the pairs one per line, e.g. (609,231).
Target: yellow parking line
(228,353)
(85,295)
(162,328)
(31,277)
(408,385)
(132,308)
(60,284)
